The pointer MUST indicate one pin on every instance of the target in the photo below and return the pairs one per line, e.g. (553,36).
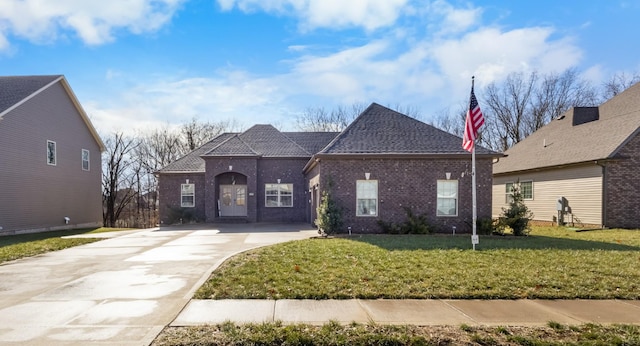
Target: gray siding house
(50,164)
(380,164)
(580,169)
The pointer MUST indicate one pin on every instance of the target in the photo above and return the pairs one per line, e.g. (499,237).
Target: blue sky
(137,64)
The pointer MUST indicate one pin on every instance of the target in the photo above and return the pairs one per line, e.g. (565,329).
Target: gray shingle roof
(267,141)
(380,130)
(260,140)
(562,143)
(14,89)
(312,142)
(192,162)
(233,146)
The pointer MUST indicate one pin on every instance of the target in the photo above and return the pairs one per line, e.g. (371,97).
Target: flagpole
(471,125)
(474,236)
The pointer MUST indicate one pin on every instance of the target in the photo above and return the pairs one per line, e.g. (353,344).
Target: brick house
(50,165)
(581,168)
(381,163)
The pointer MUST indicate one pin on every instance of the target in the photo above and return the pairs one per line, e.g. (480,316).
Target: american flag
(472,123)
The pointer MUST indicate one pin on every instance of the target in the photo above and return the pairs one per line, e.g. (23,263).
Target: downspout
(603,212)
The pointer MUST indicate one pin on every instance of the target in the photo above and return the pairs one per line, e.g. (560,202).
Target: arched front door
(233,200)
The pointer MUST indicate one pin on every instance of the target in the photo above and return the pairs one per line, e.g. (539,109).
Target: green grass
(551,263)
(357,334)
(13,247)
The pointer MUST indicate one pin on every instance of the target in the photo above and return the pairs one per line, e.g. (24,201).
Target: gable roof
(560,142)
(380,130)
(16,90)
(192,162)
(312,142)
(259,140)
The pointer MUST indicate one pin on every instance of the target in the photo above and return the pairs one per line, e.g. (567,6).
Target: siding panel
(581,186)
(37,196)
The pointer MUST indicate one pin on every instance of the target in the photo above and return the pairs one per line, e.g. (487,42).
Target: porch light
(278,181)
(230,168)
(367,176)
(448,174)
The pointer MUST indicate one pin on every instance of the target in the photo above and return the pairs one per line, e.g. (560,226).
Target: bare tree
(196,133)
(508,105)
(118,189)
(318,119)
(618,83)
(555,94)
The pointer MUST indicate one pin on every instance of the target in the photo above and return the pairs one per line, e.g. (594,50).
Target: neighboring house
(580,169)
(380,164)
(50,164)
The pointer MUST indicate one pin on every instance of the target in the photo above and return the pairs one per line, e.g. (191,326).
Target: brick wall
(289,171)
(248,167)
(408,183)
(169,195)
(622,189)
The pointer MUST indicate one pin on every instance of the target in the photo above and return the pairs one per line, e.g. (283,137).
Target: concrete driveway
(122,290)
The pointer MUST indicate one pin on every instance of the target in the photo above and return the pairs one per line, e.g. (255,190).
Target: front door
(233,200)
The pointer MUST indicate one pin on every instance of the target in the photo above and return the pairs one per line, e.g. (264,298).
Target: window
(526,189)
(51,153)
(187,195)
(447,204)
(278,195)
(366,198)
(508,193)
(85,159)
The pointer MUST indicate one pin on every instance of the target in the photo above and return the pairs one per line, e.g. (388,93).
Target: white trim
(279,196)
(376,199)
(193,194)
(457,197)
(88,159)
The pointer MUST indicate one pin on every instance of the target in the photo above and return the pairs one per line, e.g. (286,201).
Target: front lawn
(25,245)
(550,263)
(358,334)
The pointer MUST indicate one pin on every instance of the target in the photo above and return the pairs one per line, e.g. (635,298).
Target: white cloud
(94,22)
(159,101)
(335,14)
(428,69)
(452,19)
(491,54)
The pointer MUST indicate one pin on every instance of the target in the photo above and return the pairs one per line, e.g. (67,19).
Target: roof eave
(560,166)
(80,110)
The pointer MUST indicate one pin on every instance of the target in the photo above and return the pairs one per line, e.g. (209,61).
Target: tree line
(513,109)
(129,187)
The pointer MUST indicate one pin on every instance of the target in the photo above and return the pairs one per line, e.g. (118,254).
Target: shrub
(485,226)
(517,215)
(415,224)
(329,219)
(182,215)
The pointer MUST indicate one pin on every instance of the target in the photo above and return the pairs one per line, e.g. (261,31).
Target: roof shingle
(14,89)
(380,130)
(562,143)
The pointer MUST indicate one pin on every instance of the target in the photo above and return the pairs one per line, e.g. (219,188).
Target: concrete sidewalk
(417,312)
(122,290)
